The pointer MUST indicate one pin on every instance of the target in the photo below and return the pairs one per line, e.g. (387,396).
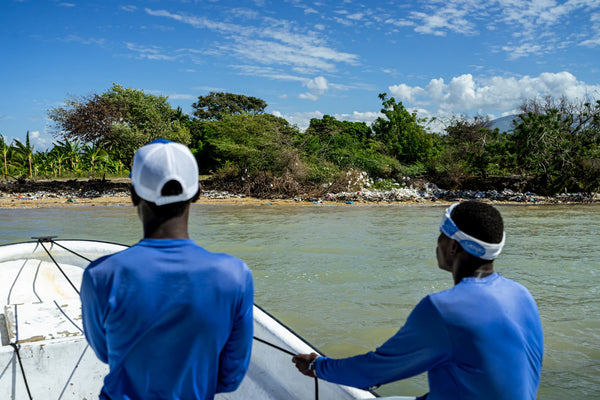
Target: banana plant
(25,152)
(5,150)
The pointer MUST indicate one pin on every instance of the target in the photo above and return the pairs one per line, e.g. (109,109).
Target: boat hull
(44,354)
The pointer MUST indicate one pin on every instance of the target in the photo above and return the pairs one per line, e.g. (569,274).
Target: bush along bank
(356,186)
(353,187)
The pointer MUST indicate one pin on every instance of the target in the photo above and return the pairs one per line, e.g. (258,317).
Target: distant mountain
(504,124)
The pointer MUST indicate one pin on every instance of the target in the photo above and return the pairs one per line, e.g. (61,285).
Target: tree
(469,142)
(217,105)
(246,144)
(57,158)
(25,152)
(345,145)
(89,119)
(5,149)
(559,142)
(72,150)
(120,119)
(95,157)
(401,133)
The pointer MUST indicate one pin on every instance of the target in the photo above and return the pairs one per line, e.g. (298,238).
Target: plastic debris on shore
(427,192)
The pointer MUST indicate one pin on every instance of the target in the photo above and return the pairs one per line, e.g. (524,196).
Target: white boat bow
(44,354)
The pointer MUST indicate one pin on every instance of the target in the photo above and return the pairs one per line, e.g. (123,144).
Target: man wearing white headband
(171,319)
(482,339)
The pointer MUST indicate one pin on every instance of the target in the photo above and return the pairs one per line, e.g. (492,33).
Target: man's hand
(303,361)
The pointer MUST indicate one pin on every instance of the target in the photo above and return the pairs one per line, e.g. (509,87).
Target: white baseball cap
(162,161)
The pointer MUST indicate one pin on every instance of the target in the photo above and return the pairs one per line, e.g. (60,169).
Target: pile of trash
(360,188)
(220,195)
(431,193)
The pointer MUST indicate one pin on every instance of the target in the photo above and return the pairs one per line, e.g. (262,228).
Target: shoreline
(122,198)
(115,192)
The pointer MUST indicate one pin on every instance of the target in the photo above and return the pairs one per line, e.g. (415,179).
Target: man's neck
(156,227)
(481,271)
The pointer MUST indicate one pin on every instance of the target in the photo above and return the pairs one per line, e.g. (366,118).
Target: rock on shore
(425,193)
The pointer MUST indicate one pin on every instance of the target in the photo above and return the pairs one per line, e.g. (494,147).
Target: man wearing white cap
(172,320)
(482,339)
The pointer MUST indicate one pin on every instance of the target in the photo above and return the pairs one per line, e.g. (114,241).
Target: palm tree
(95,157)
(72,150)
(42,164)
(5,149)
(57,156)
(25,151)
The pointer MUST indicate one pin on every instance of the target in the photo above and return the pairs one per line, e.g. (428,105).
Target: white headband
(474,246)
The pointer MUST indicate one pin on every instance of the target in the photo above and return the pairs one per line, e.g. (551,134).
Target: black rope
(274,346)
(41,241)
(73,372)
(37,270)
(291,354)
(69,250)
(56,263)
(14,283)
(16,347)
(66,316)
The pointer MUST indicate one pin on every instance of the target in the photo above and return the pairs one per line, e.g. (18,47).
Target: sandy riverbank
(118,200)
(123,199)
(95,192)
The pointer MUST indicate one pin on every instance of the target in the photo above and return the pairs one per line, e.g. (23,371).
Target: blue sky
(304,58)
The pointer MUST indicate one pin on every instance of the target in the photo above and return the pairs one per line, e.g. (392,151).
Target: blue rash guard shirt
(172,320)
(482,339)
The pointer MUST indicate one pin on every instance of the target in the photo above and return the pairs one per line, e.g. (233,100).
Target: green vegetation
(554,146)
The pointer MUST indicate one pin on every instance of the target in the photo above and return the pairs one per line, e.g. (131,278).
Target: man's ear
(455,248)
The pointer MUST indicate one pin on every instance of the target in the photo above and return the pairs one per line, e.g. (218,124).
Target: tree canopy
(554,146)
(217,105)
(120,119)
(401,133)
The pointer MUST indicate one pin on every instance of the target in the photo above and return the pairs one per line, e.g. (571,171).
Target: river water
(345,277)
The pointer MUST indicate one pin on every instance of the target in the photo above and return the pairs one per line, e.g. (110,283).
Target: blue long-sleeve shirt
(482,339)
(172,320)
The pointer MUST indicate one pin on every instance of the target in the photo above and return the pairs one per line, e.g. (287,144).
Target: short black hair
(168,211)
(480,220)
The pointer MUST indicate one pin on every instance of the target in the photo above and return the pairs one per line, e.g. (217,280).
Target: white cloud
(244,13)
(356,16)
(181,96)
(81,40)
(399,22)
(301,120)
(275,43)
(128,8)
(39,141)
(308,96)
(591,42)
(318,84)
(453,17)
(268,72)
(150,52)
(595,39)
(536,25)
(406,92)
(465,93)
(356,116)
